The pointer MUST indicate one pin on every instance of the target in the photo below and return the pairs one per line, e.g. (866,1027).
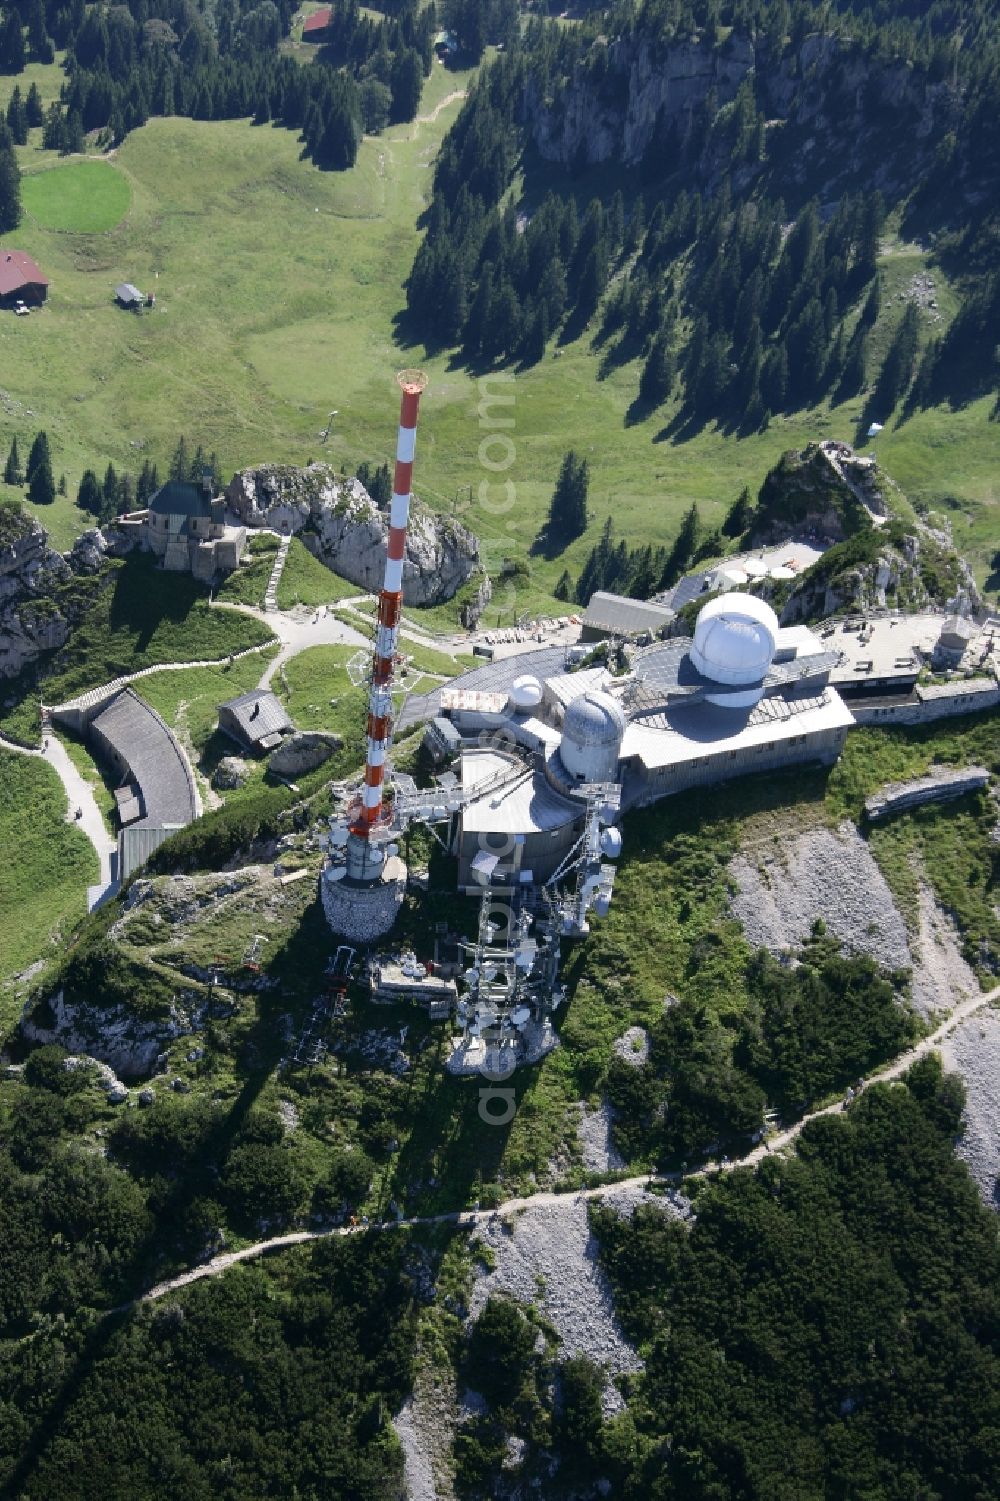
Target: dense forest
(824,1327)
(829,1327)
(127,62)
(738,260)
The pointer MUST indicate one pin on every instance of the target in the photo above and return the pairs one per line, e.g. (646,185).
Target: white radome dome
(734,642)
(525,692)
(593,727)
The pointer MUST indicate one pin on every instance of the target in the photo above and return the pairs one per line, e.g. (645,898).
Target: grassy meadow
(83,197)
(47,867)
(307,581)
(256,337)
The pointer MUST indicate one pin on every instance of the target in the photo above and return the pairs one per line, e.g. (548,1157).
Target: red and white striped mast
(368,816)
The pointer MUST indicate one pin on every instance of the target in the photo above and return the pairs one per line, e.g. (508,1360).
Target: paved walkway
(472,1217)
(297,631)
(79,794)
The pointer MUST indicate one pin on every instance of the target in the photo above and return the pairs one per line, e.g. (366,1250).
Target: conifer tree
(10,191)
(683,550)
(12,52)
(568,509)
(856,363)
(739,516)
(180,464)
(774,378)
(33,107)
(110,491)
(90,497)
(17,118)
(12,468)
(39,454)
(897,367)
(41,485)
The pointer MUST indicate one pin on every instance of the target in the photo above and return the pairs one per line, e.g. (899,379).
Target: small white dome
(593,726)
(525,692)
(734,639)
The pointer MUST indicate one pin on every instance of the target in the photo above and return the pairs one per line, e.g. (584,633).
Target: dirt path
(472,1217)
(441,104)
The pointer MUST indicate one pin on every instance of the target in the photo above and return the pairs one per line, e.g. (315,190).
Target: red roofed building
(20,279)
(317,24)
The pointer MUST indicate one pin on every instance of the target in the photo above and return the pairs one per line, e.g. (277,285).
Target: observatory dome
(734,641)
(525,693)
(593,727)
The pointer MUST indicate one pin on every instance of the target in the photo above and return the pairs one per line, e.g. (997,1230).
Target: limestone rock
(473,608)
(828,98)
(89,552)
(231,772)
(118,543)
(303,751)
(33,620)
(112,1035)
(342,527)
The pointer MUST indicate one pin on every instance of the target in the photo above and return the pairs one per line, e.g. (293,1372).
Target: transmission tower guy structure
(362,896)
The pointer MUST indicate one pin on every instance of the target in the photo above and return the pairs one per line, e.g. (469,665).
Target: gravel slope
(941,977)
(973,1050)
(547,1256)
(820,874)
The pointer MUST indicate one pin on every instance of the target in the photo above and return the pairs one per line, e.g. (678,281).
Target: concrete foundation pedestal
(363,913)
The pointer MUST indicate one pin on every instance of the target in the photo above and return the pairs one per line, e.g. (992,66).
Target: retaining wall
(935,701)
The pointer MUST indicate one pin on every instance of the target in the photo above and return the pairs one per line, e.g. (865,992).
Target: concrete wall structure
(929,702)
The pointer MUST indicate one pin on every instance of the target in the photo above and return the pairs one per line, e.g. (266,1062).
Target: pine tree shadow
(682,427)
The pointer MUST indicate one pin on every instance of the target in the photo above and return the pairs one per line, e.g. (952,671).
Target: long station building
(744,695)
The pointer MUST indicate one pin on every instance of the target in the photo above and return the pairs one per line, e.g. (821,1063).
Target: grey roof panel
(257,715)
(178,498)
(154,758)
(630,617)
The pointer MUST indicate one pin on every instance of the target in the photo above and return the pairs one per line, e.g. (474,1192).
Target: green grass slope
(88,197)
(46,868)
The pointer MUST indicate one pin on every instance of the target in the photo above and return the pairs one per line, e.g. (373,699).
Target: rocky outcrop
(113,1035)
(905,570)
(30,620)
(827,490)
(880,557)
(936,787)
(828,105)
(473,607)
(342,527)
(303,751)
(89,552)
(231,772)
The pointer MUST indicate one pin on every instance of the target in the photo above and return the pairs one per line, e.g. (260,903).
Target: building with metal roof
(256,720)
(21,279)
(129,296)
(744,696)
(317,25)
(518,816)
(157,794)
(615,615)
